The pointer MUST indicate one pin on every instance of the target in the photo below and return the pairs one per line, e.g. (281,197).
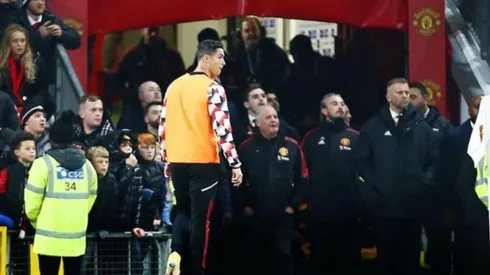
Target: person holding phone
(45,31)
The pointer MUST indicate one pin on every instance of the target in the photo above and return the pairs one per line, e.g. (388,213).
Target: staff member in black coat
(276,175)
(475,217)
(437,217)
(397,159)
(331,199)
(453,153)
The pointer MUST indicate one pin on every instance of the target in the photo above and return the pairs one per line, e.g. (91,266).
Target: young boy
(13,178)
(103,215)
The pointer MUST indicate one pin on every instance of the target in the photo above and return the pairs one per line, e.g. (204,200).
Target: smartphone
(51,18)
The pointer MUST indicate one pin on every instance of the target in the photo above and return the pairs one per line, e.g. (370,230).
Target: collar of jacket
(336,125)
(260,138)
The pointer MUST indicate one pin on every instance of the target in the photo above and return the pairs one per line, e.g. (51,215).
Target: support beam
(427,49)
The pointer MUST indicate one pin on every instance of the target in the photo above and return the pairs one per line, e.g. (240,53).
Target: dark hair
(208,47)
(397,80)
(250,88)
(20,137)
(151,104)
(419,86)
(300,44)
(207,33)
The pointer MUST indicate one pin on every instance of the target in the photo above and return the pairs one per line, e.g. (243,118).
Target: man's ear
(246,105)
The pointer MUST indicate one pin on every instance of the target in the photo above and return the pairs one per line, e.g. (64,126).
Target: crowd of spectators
(133,193)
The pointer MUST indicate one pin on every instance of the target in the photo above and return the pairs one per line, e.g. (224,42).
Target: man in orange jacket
(194,123)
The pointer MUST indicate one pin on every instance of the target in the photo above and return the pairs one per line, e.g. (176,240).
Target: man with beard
(437,220)
(259,58)
(331,215)
(153,111)
(397,158)
(419,97)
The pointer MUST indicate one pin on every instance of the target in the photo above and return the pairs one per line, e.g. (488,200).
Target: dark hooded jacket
(437,121)
(12,182)
(396,163)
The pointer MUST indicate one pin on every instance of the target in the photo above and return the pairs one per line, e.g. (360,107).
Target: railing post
(4,251)
(485,30)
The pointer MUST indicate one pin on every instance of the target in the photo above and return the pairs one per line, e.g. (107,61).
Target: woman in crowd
(21,70)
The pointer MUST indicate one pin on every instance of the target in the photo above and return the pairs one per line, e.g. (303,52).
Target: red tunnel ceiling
(117,15)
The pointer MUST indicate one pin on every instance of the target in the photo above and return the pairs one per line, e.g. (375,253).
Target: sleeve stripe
(304,168)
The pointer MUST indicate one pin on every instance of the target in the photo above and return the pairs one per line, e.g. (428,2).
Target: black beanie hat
(29,110)
(62,131)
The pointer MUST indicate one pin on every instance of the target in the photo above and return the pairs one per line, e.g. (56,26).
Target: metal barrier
(117,254)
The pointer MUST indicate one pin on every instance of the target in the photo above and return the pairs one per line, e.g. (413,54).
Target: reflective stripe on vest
(60,235)
(481,184)
(49,192)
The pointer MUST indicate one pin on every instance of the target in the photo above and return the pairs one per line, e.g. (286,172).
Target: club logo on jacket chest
(283,154)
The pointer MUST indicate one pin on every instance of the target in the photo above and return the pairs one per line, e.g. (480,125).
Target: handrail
(470,71)
(66,63)
(67,89)
(477,13)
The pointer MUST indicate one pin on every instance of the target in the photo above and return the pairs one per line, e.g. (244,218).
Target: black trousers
(398,243)
(49,265)
(267,246)
(335,248)
(439,242)
(195,189)
(474,243)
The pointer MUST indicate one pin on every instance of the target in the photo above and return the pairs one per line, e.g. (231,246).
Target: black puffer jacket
(130,197)
(103,213)
(153,177)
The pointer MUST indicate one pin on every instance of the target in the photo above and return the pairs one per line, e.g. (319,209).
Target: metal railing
(476,13)
(67,89)
(116,254)
(470,71)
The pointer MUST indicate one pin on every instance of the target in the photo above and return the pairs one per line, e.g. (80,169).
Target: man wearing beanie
(59,194)
(33,119)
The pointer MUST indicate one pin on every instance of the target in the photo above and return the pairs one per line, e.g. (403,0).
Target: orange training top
(195,121)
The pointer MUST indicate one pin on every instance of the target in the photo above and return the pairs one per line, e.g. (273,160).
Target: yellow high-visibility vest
(172,191)
(57,202)
(481,184)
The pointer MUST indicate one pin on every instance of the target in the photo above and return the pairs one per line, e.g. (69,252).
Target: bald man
(133,117)
(276,175)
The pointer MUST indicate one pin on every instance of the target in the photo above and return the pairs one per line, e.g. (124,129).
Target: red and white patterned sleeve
(220,115)
(161,129)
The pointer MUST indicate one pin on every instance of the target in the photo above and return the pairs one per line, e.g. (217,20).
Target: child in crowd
(149,202)
(103,215)
(13,178)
